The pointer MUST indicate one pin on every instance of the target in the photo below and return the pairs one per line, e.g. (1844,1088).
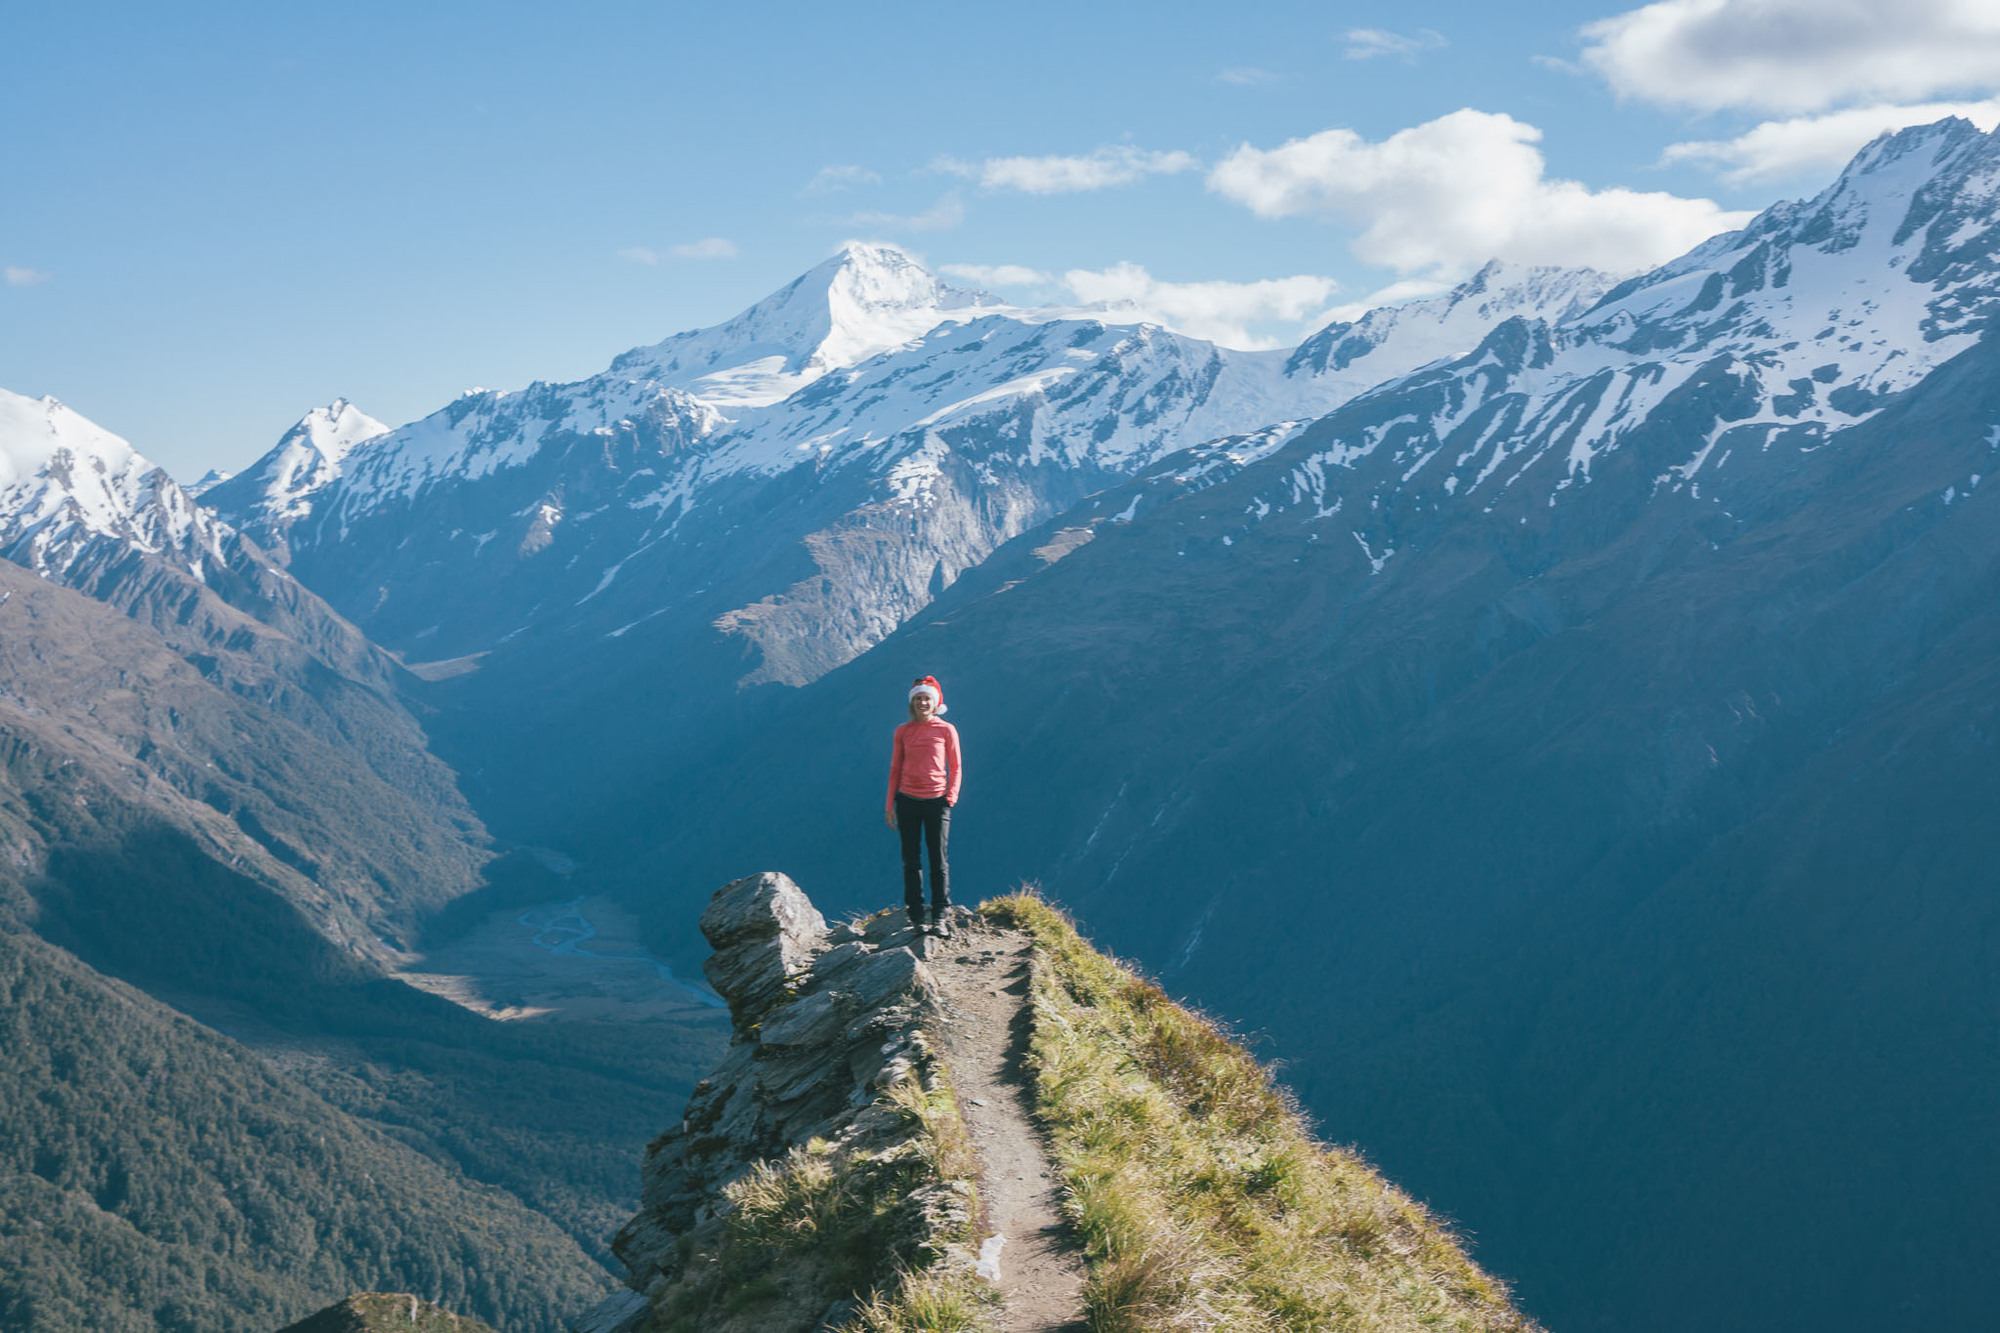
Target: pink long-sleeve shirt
(923,761)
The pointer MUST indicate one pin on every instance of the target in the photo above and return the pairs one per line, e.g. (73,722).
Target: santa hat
(929,685)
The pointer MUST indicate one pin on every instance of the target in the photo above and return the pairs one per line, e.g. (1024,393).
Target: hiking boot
(917,922)
(942,926)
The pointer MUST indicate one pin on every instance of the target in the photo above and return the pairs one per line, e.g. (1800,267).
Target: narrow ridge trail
(982,974)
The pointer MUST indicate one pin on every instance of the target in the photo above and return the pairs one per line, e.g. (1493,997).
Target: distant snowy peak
(68,486)
(332,430)
(865,300)
(207,482)
(309,456)
(1391,341)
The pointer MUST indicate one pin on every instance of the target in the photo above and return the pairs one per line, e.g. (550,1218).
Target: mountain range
(1555,714)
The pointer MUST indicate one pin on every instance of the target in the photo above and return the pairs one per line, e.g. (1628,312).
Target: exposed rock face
(825,1019)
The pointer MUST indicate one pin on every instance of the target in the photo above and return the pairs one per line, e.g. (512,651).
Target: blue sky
(219,216)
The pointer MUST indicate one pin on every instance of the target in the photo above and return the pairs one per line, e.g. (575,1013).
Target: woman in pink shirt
(924,773)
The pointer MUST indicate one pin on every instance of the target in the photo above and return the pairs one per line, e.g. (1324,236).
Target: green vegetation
(157,1176)
(1203,1200)
(880,1222)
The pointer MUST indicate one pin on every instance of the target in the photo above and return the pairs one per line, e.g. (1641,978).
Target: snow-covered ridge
(1805,322)
(868,357)
(67,485)
(1391,341)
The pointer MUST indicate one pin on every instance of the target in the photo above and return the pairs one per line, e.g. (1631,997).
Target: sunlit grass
(888,1226)
(1202,1199)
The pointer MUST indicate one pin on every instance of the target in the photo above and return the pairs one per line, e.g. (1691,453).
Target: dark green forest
(154,1175)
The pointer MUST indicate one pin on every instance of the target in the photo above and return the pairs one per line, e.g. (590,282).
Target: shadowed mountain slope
(1576,847)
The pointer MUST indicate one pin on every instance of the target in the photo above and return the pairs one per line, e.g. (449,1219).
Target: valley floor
(574,960)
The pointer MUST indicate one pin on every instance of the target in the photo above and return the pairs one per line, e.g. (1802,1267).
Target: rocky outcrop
(827,1019)
(378,1312)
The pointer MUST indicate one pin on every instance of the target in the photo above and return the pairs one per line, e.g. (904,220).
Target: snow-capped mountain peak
(278,488)
(332,430)
(66,484)
(309,455)
(863,301)
(38,434)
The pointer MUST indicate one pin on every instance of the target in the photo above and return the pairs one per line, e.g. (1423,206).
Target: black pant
(929,818)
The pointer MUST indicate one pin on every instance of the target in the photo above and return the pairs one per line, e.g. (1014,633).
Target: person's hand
(889,818)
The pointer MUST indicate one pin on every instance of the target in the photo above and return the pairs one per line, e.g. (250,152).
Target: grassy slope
(1203,1200)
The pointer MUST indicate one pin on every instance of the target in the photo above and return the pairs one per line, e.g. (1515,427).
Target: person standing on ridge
(924,775)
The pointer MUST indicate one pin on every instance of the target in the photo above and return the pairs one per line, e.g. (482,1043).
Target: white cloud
(19,275)
(998,275)
(945,214)
(1797,55)
(841,176)
(1119,164)
(1367,43)
(1443,197)
(639,254)
(708,247)
(1222,312)
(1817,145)
(1248,76)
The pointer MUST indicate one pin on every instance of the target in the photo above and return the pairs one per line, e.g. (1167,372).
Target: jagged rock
(824,1019)
(807,1022)
(758,907)
(765,931)
(884,976)
(829,964)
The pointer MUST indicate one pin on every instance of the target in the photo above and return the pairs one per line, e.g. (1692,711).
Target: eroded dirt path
(983,975)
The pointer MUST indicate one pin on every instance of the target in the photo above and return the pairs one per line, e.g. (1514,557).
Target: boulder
(765,932)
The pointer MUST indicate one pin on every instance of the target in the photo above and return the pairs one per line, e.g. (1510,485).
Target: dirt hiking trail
(982,974)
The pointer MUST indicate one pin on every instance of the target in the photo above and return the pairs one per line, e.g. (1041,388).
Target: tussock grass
(1203,1200)
(884,1220)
